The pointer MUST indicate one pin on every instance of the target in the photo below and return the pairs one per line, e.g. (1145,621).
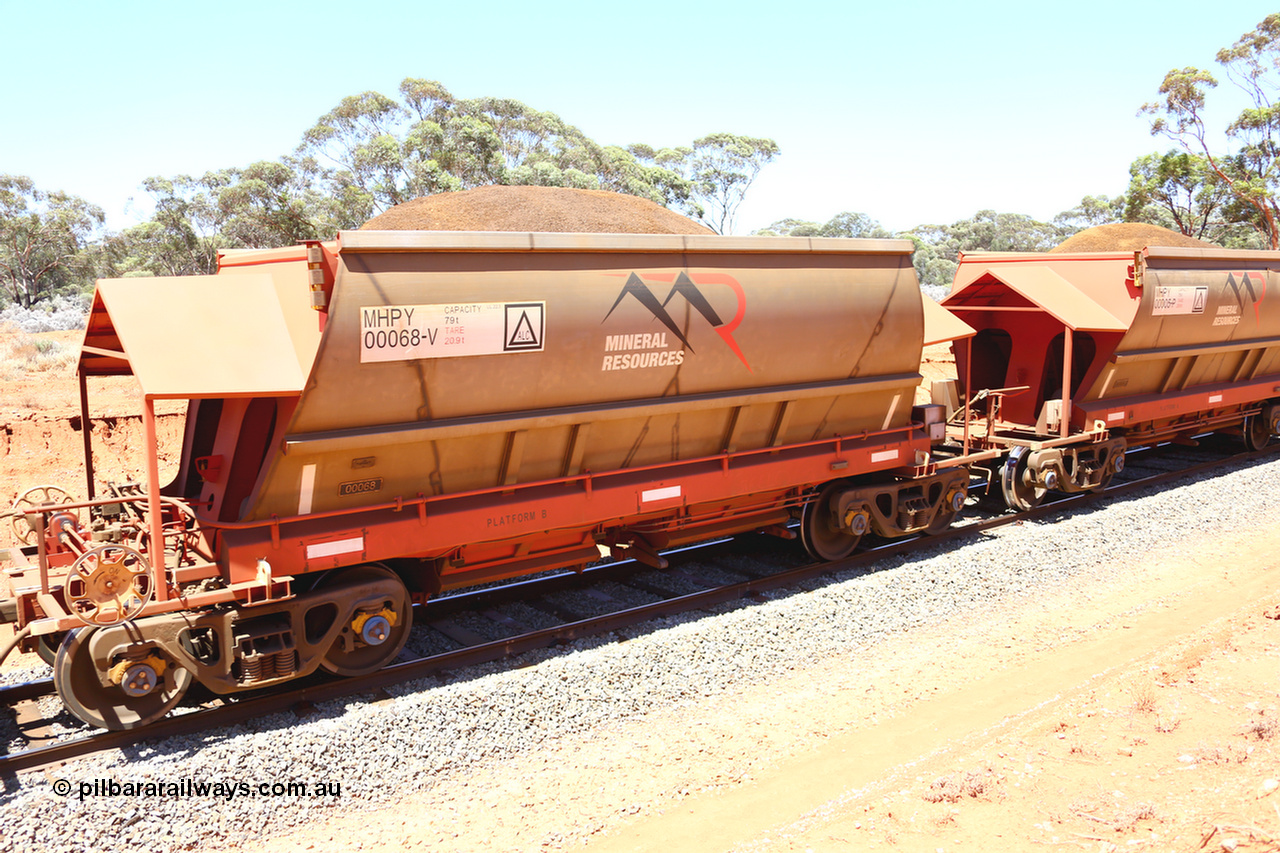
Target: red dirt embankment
(40,438)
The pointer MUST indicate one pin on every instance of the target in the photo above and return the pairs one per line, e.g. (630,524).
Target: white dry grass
(22,352)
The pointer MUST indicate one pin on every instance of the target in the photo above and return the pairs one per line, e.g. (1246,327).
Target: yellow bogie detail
(357,624)
(116,673)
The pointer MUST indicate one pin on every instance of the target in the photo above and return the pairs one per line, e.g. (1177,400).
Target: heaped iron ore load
(379,418)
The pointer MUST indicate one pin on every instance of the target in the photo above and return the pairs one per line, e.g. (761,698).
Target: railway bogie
(842,512)
(355,621)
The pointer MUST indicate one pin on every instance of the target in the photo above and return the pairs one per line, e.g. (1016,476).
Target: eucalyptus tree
(1179,190)
(268,203)
(846,224)
(1251,173)
(938,247)
(183,234)
(43,235)
(652,173)
(722,167)
(371,152)
(1092,210)
(374,152)
(790,227)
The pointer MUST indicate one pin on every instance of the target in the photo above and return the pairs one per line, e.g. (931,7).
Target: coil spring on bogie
(253,667)
(913,513)
(285,662)
(263,667)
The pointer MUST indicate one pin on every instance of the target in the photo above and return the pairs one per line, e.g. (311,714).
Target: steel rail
(312,692)
(468,599)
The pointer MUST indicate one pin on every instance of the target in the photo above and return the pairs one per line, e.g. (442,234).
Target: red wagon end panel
(1022,309)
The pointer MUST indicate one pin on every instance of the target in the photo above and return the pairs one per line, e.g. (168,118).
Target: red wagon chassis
(643,509)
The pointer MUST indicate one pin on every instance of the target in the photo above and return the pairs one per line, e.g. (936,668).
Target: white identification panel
(1179,300)
(408,332)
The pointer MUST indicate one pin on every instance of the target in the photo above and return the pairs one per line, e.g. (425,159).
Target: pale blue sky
(909,112)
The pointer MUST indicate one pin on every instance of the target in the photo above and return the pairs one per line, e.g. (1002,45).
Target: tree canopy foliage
(367,154)
(372,152)
(938,247)
(1250,174)
(1181,191)
(722,168)
(43,238)
(847,224)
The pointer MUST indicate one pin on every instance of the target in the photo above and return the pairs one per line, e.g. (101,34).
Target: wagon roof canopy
(193,336)
(940,325)
(1037,286)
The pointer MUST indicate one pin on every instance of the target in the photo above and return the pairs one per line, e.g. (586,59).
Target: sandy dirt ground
(1139,715)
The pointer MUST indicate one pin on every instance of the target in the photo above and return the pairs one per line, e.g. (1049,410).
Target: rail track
(452,620)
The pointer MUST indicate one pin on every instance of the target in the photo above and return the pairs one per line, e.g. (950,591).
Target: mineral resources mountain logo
(1244,289)
(651,349)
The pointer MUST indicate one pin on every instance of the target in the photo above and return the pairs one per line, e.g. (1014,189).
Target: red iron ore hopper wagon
(1080,356)
(379,418)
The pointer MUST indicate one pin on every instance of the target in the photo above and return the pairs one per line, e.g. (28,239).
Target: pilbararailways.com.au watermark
(194,788)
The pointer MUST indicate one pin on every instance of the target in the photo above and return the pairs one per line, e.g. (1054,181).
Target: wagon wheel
(947,513)
(148,688)
(108,585)
(1021,493)
(375,634)
(47,646)
(1115,464)
(1256,432)
(35,497)
(822,538)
